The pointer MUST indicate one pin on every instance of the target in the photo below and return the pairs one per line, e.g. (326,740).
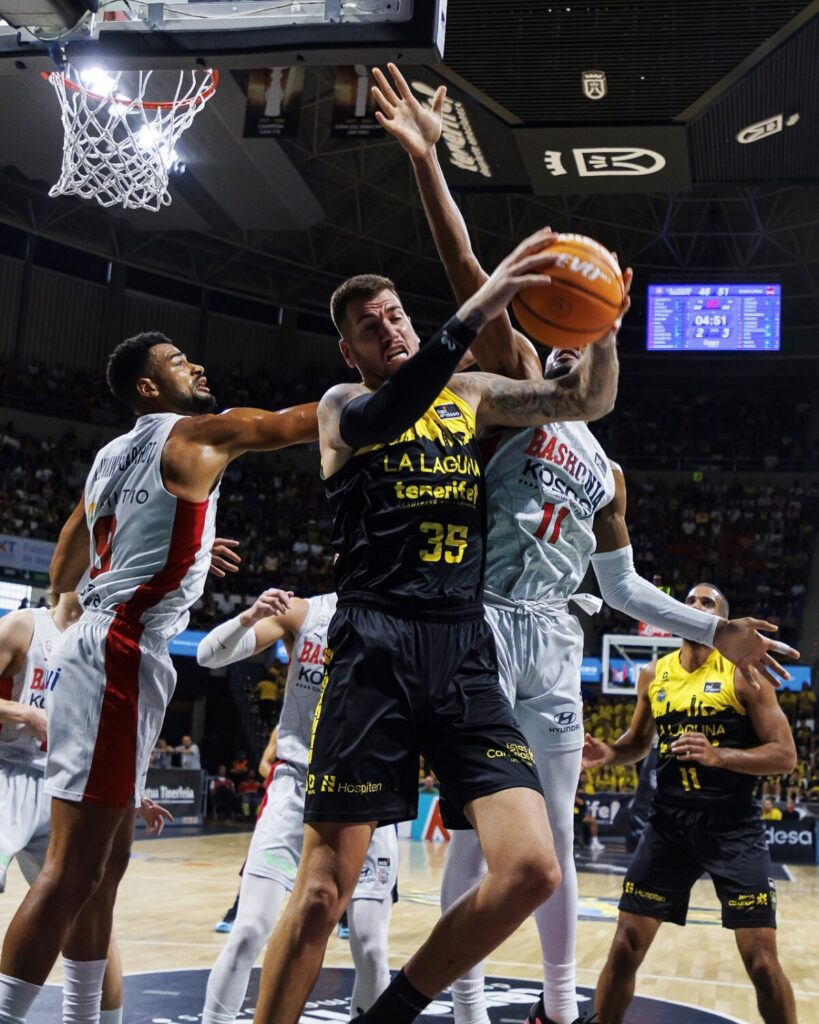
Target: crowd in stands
(709,429)
(77,395)
(755,542)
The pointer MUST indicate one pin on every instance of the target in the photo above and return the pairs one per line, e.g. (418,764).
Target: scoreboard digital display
(714,317)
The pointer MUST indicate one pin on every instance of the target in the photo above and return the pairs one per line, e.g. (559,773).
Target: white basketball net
(118,146)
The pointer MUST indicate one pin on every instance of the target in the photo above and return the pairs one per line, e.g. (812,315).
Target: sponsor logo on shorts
(366,874)
(712,687)
(630,889)
(330,784)
(383,870)
(750,900)
(5,860)
(566,720)
(273,860)
(516,752)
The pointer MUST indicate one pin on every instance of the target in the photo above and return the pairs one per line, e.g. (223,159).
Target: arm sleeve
(625,591)
(404,397)
(226,644)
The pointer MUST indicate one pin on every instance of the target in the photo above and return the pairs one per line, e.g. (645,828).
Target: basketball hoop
(118,146)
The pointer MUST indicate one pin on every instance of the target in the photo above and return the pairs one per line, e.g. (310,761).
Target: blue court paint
(176,997)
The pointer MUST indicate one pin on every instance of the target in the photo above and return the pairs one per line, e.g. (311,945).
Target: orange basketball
(581,303)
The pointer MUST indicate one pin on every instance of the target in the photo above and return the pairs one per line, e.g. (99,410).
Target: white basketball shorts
(275,850)
(539,658)
(25,820)
(106,710)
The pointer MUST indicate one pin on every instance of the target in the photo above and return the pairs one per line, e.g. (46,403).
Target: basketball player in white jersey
(275,850)
(145,523)
(553,499)
(27,638)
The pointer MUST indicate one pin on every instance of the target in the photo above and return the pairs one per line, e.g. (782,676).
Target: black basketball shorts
(679,845)
(394,688)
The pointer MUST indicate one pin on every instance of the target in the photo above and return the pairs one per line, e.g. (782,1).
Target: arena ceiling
(285,220)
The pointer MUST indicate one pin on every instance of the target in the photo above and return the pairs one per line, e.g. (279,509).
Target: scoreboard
(714,317)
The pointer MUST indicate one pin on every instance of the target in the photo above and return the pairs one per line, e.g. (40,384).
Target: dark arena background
(683,136)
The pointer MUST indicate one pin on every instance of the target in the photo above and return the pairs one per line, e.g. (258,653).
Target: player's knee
(116,866)
(534,877)
(762,967)
(627,949)
(320,906)
(246,941)
(74,880)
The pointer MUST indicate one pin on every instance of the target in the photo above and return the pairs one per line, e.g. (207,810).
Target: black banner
(610,811)
(578,161)
(792,842)
(476,150)
(180,790)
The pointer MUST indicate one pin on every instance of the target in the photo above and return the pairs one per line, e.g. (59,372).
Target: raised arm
(776,752)
(72,553)
(636,741)
(587,393)
(274,615)
(498,348)
(624,590)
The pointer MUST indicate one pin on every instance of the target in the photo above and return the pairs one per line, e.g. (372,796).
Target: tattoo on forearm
(475,320)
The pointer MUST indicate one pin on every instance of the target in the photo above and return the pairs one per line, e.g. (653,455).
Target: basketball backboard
(624,656)
(225,34)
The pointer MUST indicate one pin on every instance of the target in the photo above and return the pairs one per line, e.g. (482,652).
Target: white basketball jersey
(544,486)
(304,678)
(31,685)
(150,551)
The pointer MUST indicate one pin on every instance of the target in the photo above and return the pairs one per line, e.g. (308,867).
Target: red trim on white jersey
(112,777)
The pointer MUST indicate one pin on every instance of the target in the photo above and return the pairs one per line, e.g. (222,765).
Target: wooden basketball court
(177,888)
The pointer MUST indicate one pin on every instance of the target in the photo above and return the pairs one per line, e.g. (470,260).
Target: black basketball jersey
(703,701)
(409,518)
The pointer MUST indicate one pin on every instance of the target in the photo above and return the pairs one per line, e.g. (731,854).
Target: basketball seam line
(551,323)
(584,291)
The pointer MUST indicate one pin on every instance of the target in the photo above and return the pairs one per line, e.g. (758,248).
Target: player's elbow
(204,655)
(788,759)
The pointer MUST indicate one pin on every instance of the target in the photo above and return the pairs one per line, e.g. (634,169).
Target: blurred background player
(143,529)
(716,734)
(26,640)
(275,850)
(547,515)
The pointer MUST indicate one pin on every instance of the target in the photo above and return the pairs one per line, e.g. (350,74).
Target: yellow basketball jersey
(702,701)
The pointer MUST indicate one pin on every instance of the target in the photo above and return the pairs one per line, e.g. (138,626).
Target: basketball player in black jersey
(716,735)
(411,662)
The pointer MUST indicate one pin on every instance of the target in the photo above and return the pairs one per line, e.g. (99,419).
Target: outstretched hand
(740,641)
(271,602)
(223,559)
(416,126)
(525,267)
(596,753)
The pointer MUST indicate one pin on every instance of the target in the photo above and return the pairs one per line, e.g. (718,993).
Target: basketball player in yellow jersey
(716,735)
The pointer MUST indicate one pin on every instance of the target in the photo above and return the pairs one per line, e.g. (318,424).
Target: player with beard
(143,529)
(554,498)
(411,665)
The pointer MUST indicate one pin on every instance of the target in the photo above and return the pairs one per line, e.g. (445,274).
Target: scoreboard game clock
(714,317)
